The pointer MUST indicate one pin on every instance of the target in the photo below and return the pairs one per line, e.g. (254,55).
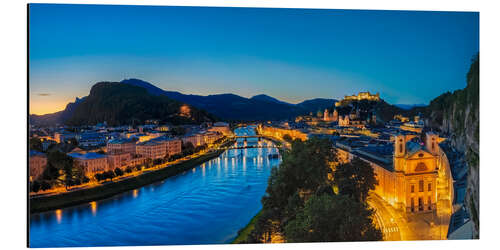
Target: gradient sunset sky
(291,54)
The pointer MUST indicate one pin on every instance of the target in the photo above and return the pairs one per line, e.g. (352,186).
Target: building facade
(91,162)
(408,173)
(118,146)
(278,132)
(221,127)
(38,162)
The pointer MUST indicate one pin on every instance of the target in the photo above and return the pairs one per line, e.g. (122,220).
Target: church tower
(325,115)
(335,115)
(399,146)
(431,143)
(399,152)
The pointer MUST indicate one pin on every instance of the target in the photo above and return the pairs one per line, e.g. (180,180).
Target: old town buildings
(38,162)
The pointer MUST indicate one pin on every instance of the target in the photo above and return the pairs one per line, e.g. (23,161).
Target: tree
(287,138)
(35,186)
(148,163)
(108,175)
(35,144)
(188,148)
(118,172)
(45,185)
(355,179)
(129,169)
(303,172)
(85,179)
(99,177)
(327,218)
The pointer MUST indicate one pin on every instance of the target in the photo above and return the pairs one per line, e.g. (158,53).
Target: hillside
(234,107)
(457,114)
(119,104)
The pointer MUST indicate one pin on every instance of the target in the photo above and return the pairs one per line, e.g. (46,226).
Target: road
(386,219)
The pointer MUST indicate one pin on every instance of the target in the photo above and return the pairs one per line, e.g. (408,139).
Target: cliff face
(457,114)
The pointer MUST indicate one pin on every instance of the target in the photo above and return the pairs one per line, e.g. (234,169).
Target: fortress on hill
(362,96)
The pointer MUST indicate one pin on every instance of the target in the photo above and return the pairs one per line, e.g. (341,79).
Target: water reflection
(93,207)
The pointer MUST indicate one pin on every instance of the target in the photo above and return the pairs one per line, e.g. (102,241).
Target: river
(205,205)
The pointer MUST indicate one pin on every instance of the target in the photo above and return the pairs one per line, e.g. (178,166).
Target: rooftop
(87,156)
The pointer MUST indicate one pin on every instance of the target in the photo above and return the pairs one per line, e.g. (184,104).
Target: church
(412,176)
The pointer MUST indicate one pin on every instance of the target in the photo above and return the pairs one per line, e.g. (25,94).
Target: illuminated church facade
(417,178)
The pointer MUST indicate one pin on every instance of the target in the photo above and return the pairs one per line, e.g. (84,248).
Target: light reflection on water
(202,206)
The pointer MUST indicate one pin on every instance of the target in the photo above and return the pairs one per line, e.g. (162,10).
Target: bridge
(253,146)
(248,136)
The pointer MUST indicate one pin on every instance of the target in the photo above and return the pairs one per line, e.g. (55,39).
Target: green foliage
(187,148)
(35,186)
(355,179)
(119,104)
(304,171)
(35,144)
(118,172)
(304,168)
(328,218)
(287,138)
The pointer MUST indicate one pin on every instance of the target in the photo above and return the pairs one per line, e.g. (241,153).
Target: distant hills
(234,107)
(223,106)
(409,106)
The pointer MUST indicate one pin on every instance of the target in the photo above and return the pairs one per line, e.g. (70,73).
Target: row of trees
(301,205)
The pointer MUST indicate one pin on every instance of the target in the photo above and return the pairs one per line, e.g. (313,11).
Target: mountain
(234,107)
(58,117)
(409,106)
(317,104)
(224,106)
(266,98)
(119,104)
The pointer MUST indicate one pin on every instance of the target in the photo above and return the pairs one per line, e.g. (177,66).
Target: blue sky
(291,54)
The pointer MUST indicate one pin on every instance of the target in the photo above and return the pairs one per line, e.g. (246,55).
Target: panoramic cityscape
(153,125)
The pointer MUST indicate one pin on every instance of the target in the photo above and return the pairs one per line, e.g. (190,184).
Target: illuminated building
(363,96)
(91,162)
(123,145)
(278,132)
(159,147)
(38,162)
(330,117)
(408,172)
(221,127)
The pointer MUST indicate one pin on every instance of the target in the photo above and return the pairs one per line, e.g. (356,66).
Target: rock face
(457,115)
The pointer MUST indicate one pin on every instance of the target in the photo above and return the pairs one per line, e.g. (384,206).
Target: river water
(205,205)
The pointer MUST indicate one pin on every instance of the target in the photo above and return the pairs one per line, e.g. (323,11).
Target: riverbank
(47,203)
(244,232)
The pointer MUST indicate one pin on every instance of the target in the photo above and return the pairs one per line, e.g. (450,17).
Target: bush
(85,179)
(118,172)
(35,186)
(45,185)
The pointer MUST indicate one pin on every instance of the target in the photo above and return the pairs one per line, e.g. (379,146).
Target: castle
(363,96)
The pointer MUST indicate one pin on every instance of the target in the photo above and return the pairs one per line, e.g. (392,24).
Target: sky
(409,57)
